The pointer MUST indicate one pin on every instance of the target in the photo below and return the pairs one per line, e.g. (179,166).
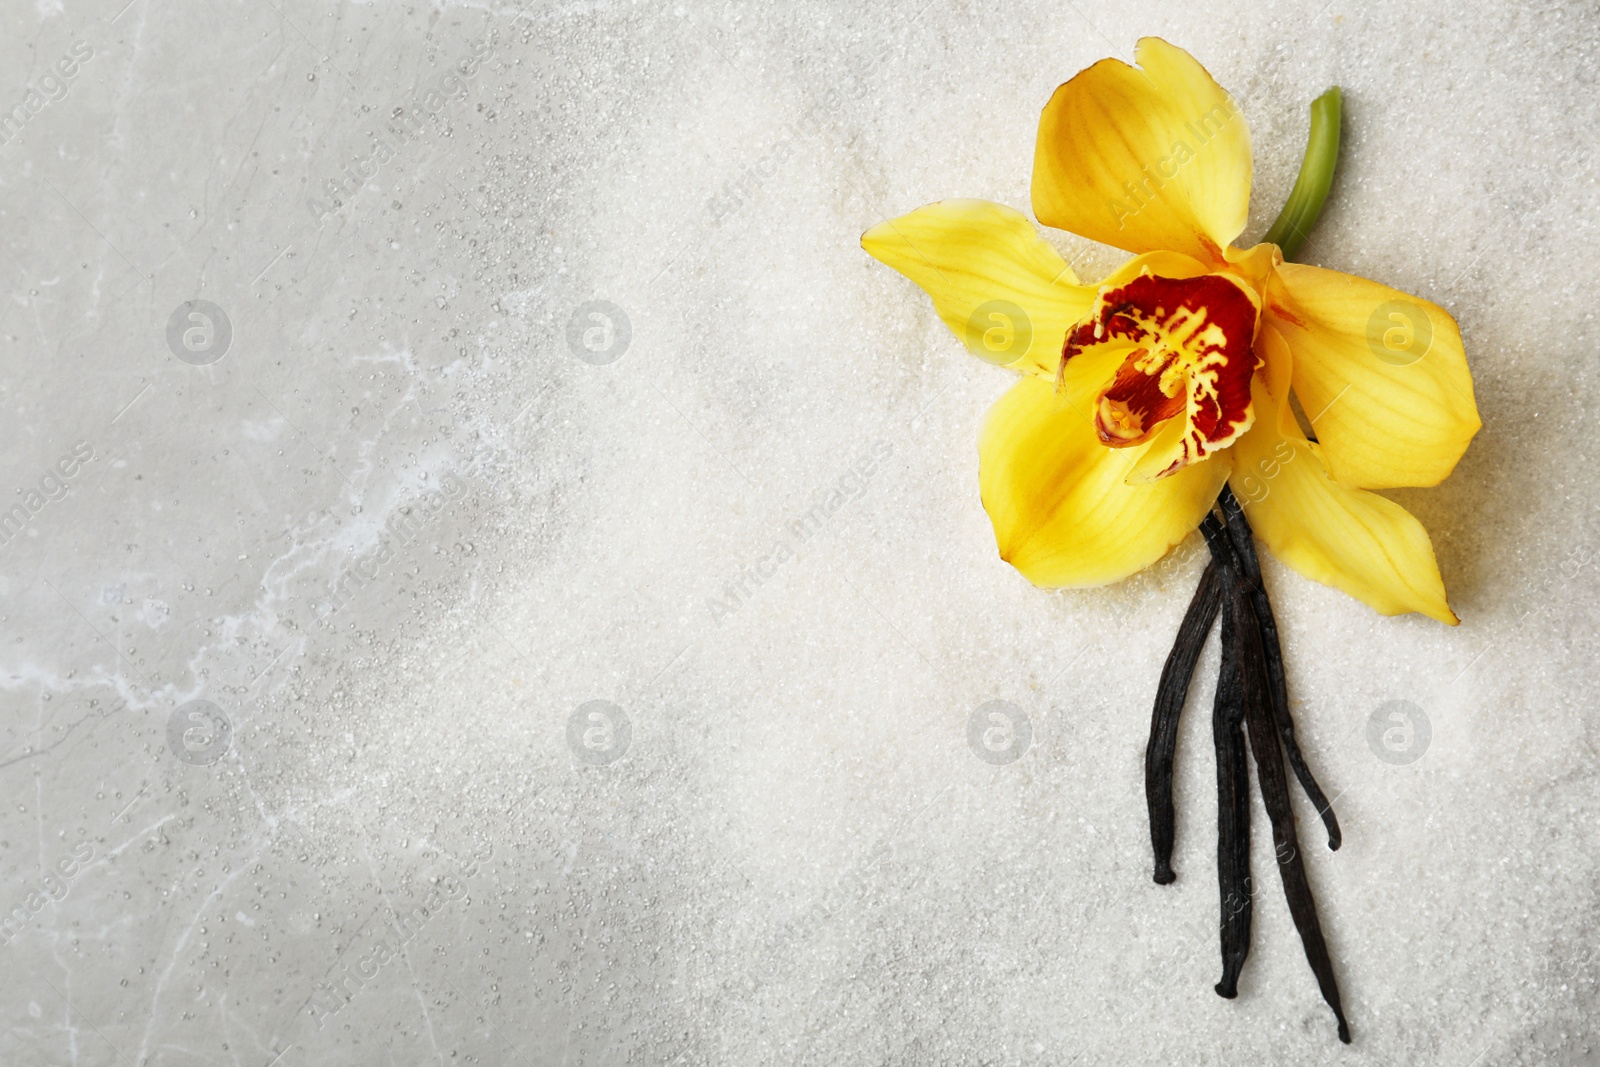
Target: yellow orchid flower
(1195,377)
(1144,395)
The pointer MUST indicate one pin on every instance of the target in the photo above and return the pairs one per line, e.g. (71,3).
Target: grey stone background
(400,533)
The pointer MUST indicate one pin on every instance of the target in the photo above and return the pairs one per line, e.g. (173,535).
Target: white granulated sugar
(577,546)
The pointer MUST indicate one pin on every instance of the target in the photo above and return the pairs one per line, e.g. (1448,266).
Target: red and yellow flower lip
(1189,364)
(1143,395)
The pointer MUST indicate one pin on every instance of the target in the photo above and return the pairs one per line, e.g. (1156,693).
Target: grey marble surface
(349,509)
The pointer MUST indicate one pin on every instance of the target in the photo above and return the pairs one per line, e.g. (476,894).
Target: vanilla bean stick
(1170,695)
(1233,810)
(1264,744)
(1243,539)
(1233,773)
(1251,702)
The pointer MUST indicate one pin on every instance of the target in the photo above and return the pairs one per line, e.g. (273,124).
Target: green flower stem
(1310,190)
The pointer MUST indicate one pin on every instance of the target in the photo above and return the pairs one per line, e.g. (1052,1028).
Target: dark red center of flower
(1189,355)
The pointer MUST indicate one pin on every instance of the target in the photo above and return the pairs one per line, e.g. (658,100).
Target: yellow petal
(1166,264)
(1382,376)
(1353,540)
(1256,264)
(1063,512)
(1145,159)
(1007,294)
